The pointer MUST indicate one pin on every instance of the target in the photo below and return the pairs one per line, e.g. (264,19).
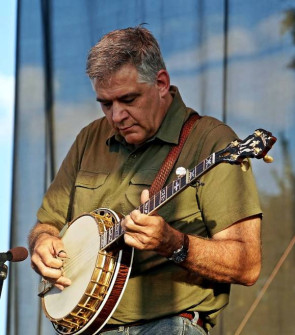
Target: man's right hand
(47,256)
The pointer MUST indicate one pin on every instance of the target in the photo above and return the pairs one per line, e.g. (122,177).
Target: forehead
(125,73)
(122,82)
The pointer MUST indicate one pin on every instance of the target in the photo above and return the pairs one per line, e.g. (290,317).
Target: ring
(60,251)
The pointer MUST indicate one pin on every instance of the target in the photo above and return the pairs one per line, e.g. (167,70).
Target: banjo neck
(254,146)
(188,178)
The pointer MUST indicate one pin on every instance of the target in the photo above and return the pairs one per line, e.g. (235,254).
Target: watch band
(180,254)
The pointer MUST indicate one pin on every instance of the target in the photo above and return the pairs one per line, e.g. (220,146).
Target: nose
(119,112)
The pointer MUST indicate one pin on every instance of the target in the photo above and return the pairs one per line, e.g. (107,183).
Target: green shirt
(101,170)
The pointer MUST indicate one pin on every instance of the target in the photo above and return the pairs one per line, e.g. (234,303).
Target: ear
(163,82)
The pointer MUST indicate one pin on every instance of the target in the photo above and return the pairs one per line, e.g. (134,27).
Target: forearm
(224,261)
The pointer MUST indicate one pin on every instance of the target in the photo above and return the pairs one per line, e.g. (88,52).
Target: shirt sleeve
(55,208)
(227,193)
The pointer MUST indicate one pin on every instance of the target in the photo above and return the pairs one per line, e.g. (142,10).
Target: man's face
(135,110)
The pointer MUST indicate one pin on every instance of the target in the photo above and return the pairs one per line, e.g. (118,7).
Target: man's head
(130,46)
(131,83)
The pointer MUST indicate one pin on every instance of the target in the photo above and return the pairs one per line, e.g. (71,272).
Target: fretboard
(176,186)
(160,198)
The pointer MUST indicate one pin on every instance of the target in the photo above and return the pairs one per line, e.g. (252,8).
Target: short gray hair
(135,46)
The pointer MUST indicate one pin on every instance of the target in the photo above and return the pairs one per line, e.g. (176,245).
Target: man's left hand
(150,232)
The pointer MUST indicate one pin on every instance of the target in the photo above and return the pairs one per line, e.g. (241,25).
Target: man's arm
(231,256)
(45,246)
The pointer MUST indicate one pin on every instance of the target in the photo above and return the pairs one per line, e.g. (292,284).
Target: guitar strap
(172,156)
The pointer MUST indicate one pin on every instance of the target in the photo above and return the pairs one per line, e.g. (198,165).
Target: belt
(190,316)
(187,315)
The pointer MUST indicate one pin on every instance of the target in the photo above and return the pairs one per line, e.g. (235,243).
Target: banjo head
(82,244)
(98,276)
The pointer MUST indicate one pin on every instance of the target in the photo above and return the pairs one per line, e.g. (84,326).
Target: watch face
(179,256)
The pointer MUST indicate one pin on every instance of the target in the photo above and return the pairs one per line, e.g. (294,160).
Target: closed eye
(106,104)
(127,100)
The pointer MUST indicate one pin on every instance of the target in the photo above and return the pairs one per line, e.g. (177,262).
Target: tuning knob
(245,165)
(268,159)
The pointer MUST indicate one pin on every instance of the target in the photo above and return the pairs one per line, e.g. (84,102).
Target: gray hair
(134,46)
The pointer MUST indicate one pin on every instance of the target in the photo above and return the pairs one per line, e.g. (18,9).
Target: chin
(134,140)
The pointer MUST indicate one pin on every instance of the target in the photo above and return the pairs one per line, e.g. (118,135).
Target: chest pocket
(90,180)
(88,191)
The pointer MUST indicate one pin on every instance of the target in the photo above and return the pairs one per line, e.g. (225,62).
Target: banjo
(99,263)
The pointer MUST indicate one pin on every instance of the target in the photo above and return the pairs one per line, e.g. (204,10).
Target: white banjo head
(78,267)
(99,273)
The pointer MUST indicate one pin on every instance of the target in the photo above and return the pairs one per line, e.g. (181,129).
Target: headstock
(256,145)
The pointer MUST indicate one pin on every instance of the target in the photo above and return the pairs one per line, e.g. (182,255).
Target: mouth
(126,129)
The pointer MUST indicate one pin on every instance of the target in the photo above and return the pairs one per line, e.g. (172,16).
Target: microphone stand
(3,275)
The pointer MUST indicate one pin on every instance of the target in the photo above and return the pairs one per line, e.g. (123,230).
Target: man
(190,251)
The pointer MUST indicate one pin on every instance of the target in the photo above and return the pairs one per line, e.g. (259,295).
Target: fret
(152,203)
(157,200)
(183,182)
(117,229)
(192,174)
(110,234)
(122,231)
(146,207)
(176,186)
(163,196)
(169,190)
(209,161)
(199,170)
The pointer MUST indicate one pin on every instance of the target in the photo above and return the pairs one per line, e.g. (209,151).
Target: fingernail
(68,282)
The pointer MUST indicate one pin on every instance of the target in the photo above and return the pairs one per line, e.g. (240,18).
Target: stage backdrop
(231,59)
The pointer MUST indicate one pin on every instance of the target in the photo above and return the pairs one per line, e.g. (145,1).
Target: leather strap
(172,156)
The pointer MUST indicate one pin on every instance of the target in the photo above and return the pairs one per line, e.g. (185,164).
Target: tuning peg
(268,159)
(245,165)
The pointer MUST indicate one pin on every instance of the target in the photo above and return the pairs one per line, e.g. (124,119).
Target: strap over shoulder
(172,156)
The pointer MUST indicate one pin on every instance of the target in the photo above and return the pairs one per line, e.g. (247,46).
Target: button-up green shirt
(101,170)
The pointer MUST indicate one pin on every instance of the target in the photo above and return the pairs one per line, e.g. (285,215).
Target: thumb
(59,248)
(145,195)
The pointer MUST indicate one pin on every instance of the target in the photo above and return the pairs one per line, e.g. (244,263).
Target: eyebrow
(123,97)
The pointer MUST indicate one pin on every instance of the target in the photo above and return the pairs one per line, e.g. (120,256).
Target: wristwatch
(180,254)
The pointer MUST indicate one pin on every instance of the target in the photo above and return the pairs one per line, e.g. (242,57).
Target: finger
(144,197)
(62,255)
(46,271)
(47,248)
(137,222)
(128,223)
(61,283)
(43,263)
(59,248)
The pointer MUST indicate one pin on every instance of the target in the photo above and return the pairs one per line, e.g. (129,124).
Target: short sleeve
(227,193)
